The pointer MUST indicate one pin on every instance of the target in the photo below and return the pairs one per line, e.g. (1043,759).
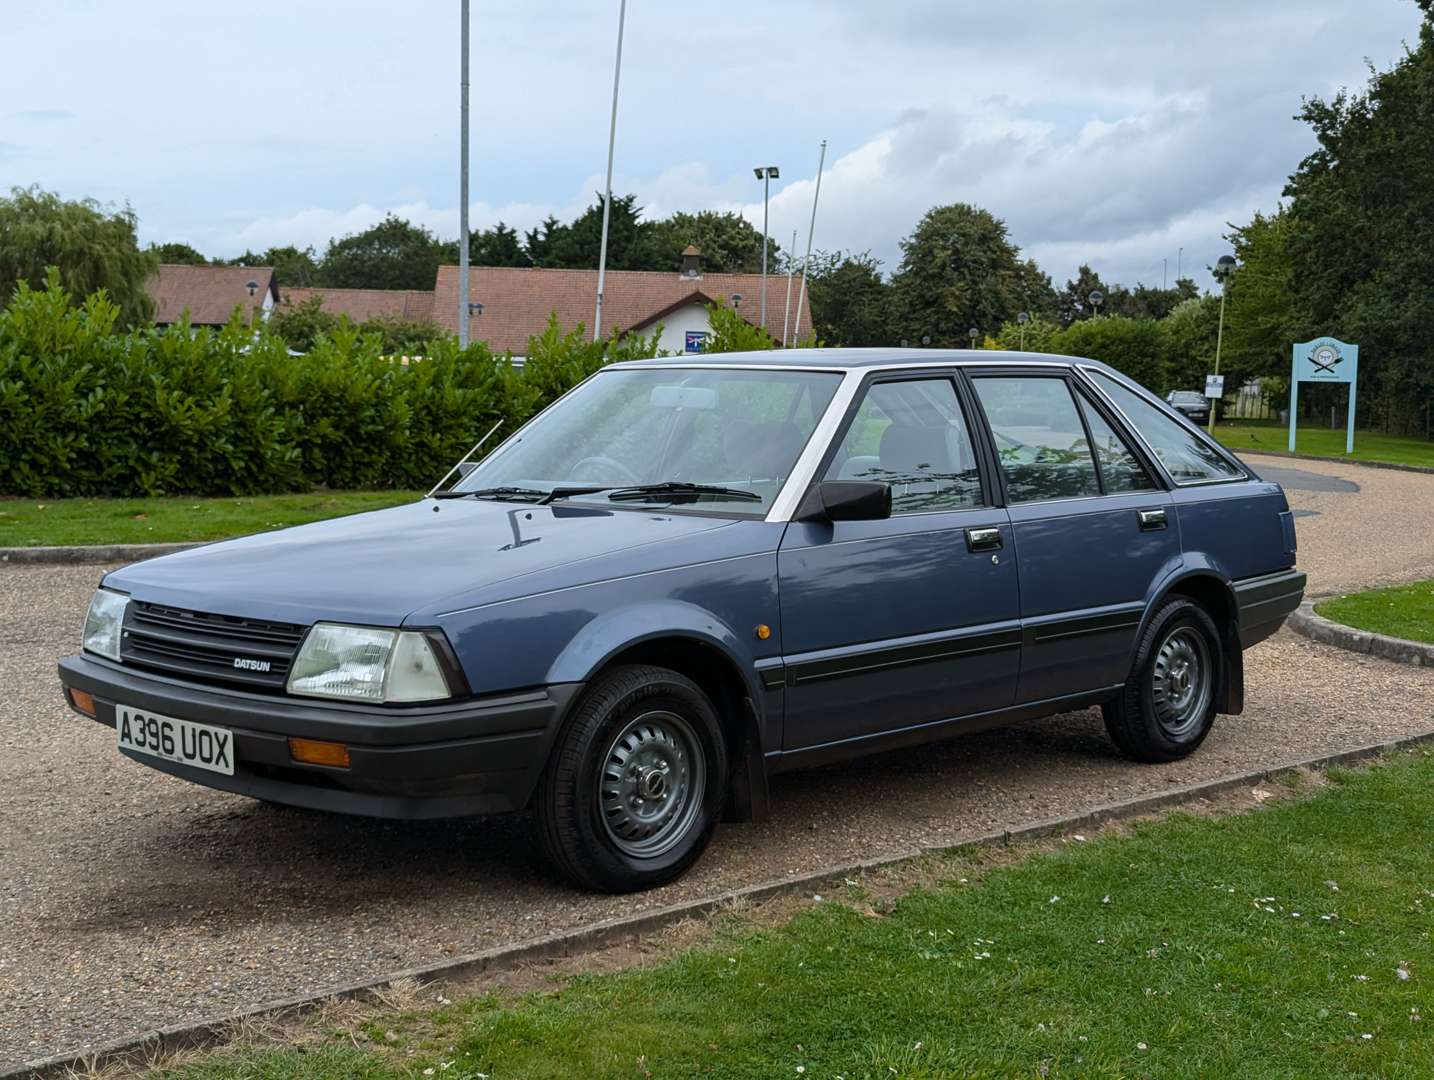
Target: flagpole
(806,261)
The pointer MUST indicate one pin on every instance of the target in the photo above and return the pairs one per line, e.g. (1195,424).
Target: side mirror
(849,500)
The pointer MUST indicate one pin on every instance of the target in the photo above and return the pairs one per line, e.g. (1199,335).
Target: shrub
(86,410)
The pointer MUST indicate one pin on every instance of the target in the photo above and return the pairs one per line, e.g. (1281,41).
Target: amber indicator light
(763,631)
(318,752)
(83,701)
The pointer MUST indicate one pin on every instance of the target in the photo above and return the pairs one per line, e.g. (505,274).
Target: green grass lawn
(44,522)
(1405,611)
(1323,442)
(1292,941)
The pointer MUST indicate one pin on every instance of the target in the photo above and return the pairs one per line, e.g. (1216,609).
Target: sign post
(1214,387)
(1324,360)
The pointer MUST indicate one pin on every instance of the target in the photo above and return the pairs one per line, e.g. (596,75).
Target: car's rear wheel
(634,789)
(1167,706)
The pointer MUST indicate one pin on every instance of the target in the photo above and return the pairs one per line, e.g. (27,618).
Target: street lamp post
(1022,318)
(1224,270)
(766,174)
(973,334)
(607,189)
(1096,298)
(463,296)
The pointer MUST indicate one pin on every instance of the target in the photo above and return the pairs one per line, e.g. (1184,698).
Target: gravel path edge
(1395,466)
(1304,620)
(149,1046)
(94,554)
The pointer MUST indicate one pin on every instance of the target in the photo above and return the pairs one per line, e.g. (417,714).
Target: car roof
(848,359)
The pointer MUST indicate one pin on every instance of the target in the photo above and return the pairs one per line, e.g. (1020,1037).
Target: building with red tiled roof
(512,304)
(211,293)
(361,305)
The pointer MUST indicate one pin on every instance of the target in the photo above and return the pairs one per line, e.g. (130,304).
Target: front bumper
(479,756)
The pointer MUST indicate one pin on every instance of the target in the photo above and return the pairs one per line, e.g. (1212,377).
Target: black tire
(1162,714)
(642,750)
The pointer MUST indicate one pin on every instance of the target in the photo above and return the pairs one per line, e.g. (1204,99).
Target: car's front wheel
(1168,704)
(634,789)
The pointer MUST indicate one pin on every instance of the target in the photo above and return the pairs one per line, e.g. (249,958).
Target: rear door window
(1187,457)
(1120,469)
(1041,443)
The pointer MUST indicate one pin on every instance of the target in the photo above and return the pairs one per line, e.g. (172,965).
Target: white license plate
(188,743)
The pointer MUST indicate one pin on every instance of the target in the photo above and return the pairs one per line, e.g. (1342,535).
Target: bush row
(87,410)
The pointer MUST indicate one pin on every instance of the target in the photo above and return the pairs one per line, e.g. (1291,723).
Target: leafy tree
(1187,342)
(405,337)
(91,246)
(575,246)
(851,304)
(1036,336)
(498,246)
(958,270)
(1037,295)
(1132,346)
(394,254)
(1360,209)
(293,267)
(1073,303)
(301,325)
(1262,319)
(729,243)
(732,333)
(178,254)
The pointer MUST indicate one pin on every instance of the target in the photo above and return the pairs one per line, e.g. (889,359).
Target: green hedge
(86,410)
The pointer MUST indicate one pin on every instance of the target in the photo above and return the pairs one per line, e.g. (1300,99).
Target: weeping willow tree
(92,246)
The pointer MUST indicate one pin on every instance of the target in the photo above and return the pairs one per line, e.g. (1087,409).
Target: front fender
(616,631)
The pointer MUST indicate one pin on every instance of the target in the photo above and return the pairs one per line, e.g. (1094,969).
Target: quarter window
(1040,440)
(911,434)
(1186,456)
(1120,469)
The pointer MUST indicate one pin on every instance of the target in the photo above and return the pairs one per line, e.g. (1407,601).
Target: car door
(1092,529)
(909,620)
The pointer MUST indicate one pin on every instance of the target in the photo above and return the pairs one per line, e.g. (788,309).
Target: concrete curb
(90,555)
(199,1034)
(1316,627)
(1334,460)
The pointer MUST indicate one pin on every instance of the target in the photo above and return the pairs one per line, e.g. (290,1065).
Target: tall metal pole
(607,188)
(1179,262)
(807,259)
(1219,340)
(766,191)
(463,295)
(791,269)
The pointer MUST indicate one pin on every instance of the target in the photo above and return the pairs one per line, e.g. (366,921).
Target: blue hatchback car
(687,575)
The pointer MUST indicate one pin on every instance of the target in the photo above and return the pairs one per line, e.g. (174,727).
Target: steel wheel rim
(1180,682)
(651,782)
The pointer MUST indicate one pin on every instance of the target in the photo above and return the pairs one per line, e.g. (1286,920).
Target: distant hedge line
(86,410)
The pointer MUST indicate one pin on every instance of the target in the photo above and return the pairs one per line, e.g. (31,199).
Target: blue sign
(695,340)
(1324,360)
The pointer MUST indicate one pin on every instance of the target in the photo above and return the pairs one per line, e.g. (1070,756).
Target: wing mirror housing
(847,500)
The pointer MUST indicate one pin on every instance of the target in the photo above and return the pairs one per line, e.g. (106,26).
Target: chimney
(691,262)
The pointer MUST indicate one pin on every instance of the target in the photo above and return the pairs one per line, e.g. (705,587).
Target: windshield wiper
(519,494)
(673,490)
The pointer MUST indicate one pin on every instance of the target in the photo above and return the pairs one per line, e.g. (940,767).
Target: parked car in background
(685,576)
(1192,403)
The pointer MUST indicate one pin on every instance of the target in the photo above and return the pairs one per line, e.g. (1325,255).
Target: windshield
(739,430)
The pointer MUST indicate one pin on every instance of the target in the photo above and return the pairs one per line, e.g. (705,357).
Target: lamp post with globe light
(1224,270)
(1096,298)
(1022,318)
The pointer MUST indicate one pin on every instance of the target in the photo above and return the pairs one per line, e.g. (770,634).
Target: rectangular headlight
(361,663)
(105,623)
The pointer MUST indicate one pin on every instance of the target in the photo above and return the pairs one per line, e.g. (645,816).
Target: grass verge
(1289,942)
(1322,442)
(64,522)
(1404,611)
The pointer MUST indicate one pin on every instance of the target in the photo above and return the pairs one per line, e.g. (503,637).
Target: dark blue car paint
(881,632)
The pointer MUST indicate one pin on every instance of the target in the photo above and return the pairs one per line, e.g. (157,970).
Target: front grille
(210,648)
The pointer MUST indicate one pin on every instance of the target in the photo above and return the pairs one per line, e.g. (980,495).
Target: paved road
(130,900)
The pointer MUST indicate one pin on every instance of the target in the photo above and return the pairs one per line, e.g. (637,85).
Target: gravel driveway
(130,900)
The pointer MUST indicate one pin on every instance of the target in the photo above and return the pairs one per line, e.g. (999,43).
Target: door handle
(988,539)
(1150,520)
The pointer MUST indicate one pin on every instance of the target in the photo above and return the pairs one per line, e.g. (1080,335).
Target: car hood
(379,567)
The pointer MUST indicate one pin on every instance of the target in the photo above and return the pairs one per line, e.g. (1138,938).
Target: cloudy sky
(1113,132)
